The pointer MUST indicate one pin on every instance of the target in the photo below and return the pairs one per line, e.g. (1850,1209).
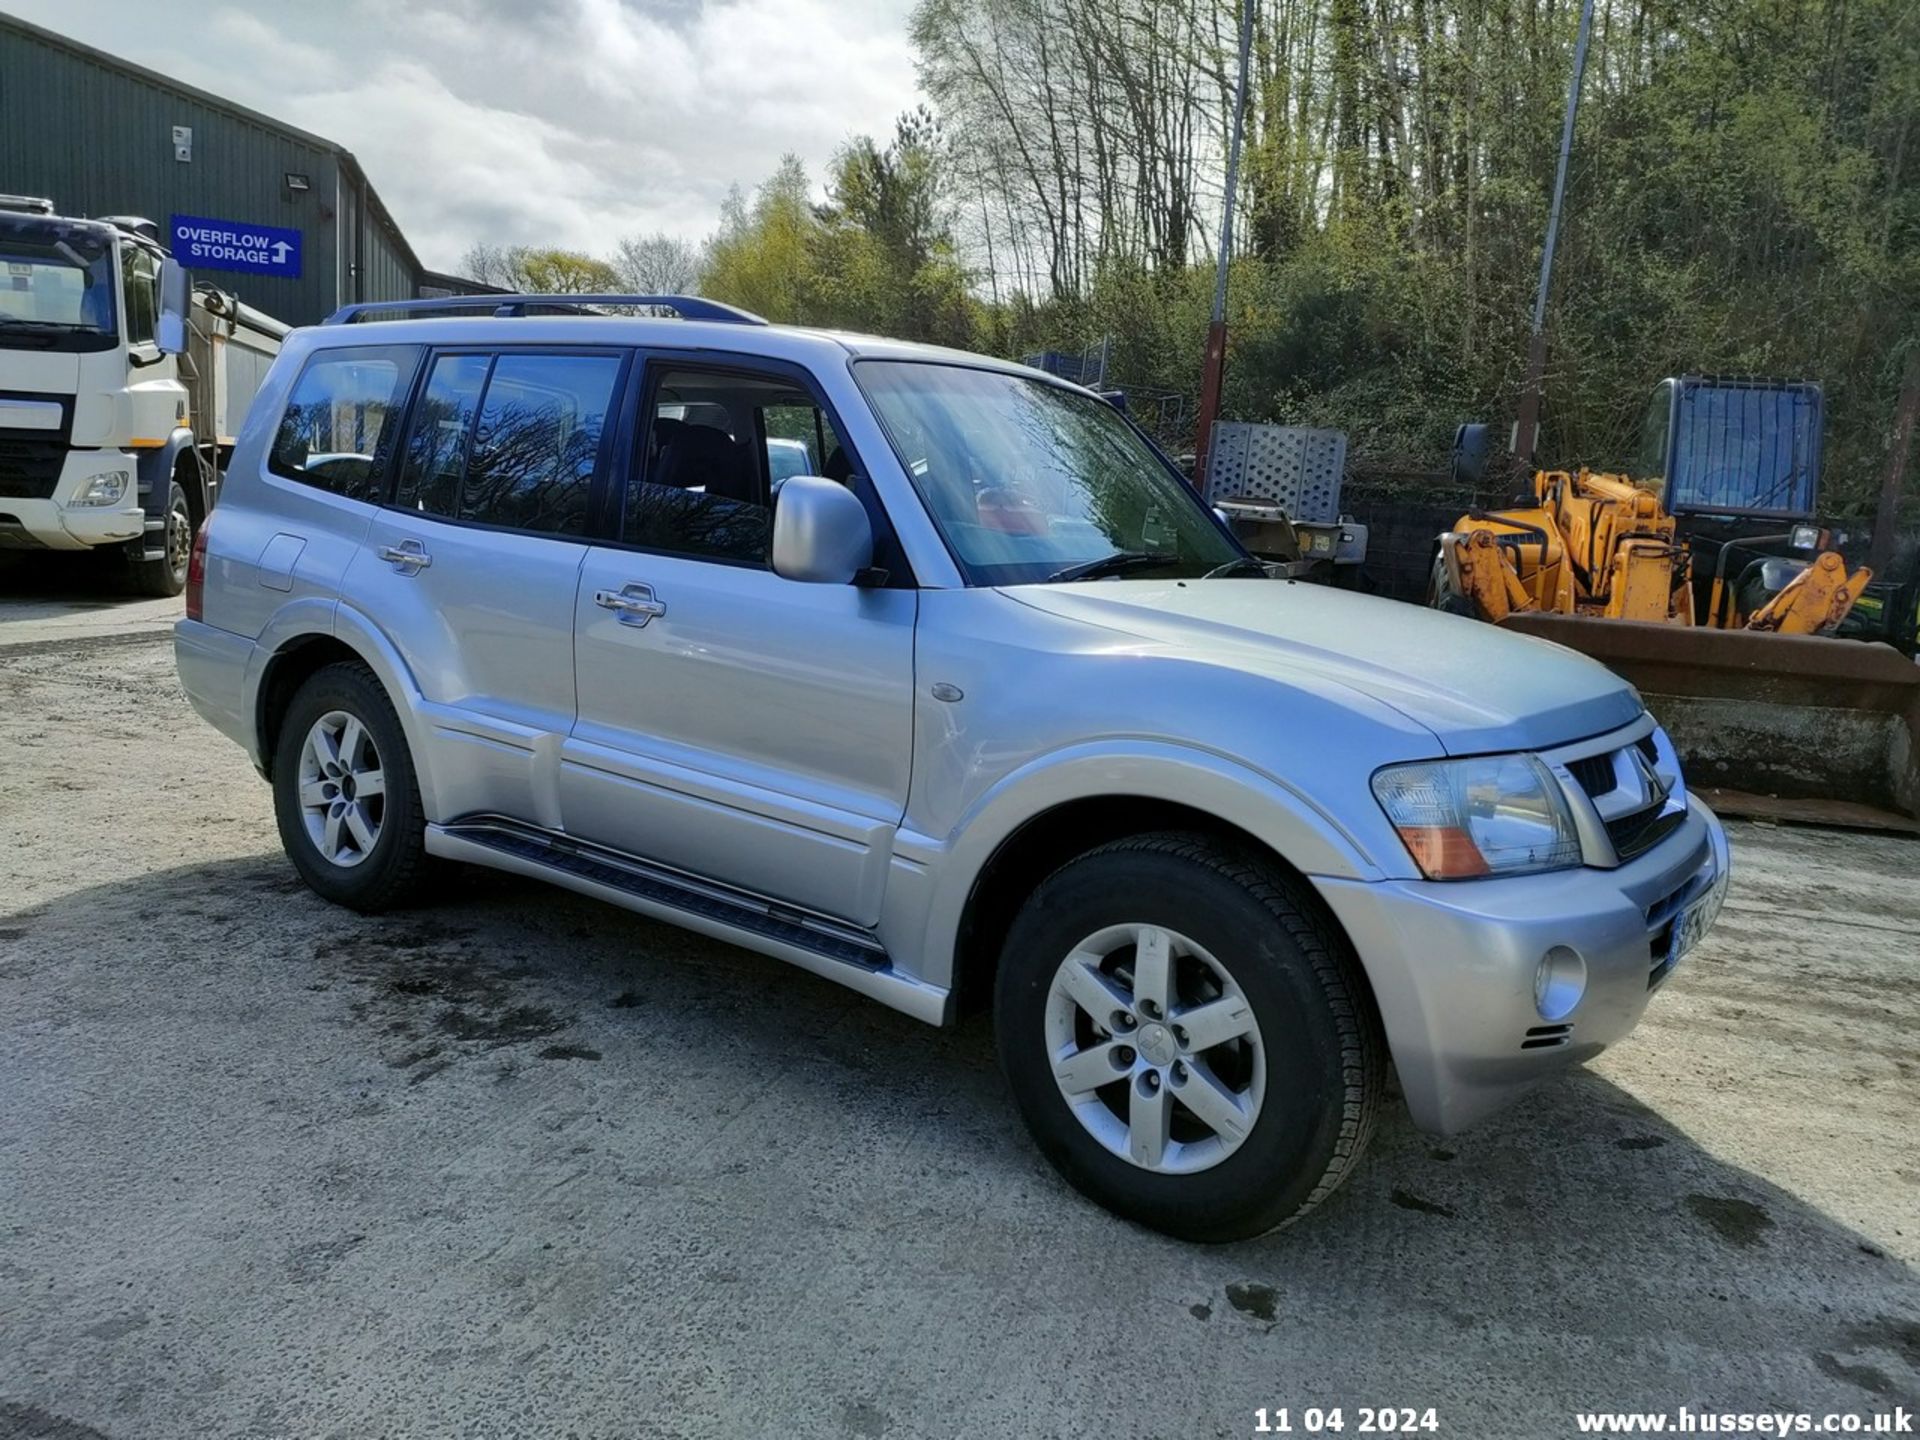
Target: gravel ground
(520,1164)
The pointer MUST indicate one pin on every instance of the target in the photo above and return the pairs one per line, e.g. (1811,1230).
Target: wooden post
(1214,366)
(1887,518)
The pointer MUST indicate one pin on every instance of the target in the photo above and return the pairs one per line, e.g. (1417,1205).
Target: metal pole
(1213,368)
(1526,430)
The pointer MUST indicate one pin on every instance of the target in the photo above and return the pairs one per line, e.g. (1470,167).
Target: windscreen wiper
(1234,566)
(1115,564)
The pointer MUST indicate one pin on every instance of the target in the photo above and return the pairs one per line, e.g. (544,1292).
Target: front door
(734,725)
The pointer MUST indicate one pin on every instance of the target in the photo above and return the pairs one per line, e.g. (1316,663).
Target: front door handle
(634,604)
(409,557)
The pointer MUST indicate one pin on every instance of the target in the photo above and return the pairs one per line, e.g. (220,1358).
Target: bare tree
(659,264)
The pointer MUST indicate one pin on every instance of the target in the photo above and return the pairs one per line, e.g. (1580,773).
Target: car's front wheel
(1187,1037)
(345,793)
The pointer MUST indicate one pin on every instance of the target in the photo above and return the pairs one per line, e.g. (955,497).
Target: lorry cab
(107,438)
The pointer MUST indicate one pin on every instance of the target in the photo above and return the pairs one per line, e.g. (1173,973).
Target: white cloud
(528,121)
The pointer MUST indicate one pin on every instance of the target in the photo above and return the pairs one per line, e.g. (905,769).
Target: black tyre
(1234,1078)
(167,575)
(345,792)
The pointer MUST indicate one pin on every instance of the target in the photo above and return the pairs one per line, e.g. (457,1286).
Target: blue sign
(201,244)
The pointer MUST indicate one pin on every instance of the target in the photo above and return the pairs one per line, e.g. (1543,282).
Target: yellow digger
(1728,633)
(1604,546)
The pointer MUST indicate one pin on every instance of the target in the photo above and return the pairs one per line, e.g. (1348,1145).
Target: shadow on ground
(840,1184)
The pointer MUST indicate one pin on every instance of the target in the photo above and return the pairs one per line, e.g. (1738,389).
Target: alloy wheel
(343,794)
(1155,1048)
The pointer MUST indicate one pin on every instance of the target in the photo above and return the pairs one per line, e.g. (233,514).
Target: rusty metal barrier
(1827,726)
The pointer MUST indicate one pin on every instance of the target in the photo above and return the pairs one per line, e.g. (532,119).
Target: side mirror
(1471,444)
(820,532)
(170,328)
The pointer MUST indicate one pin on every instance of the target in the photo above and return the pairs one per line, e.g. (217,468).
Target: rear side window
(442,429)
(511,440)
(338,427)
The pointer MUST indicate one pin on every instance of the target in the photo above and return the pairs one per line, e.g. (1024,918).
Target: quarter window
(512,441)
(337,428)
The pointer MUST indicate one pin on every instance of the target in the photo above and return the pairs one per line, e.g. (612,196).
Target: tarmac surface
(519,1164)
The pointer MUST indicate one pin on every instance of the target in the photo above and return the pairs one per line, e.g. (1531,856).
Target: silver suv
(984,704)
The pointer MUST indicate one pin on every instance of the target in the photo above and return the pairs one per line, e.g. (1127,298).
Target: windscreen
(1745,450)
(1029,480)
(55,276)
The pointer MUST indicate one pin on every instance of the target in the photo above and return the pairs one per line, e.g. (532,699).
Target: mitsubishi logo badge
(1653,790)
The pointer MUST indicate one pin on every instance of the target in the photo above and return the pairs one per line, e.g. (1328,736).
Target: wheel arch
(303,649)
(1205,797)
(157,466)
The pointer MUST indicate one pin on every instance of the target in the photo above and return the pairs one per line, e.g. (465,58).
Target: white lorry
(121,387)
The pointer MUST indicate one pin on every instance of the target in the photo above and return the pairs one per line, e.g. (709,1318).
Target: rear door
(472,566)
(734,725)
(299,517)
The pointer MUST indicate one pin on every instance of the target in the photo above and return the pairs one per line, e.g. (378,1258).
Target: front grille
(30,460)
(30,469)
(1595,775)
(1639,832)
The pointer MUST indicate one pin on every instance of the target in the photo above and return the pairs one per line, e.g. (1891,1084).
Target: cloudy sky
(535,121)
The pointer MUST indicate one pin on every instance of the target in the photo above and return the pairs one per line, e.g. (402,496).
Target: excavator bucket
(1790,727)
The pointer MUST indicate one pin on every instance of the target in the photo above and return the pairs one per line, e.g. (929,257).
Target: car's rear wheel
(1188,1037)
(345,793)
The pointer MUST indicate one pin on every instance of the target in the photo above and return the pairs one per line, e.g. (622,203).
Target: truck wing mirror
(170,329)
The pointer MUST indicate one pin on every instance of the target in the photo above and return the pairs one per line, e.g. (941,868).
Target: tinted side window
(442,427)
(719,445)
(337,429)
(140,278)
(538,440)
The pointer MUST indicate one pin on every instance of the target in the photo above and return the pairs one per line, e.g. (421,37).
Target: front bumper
(51,523)
(1453,965)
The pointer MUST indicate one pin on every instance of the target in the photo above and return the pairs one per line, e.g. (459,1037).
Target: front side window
(1030,481)
(337,427)
(511,440)
(719,446)
(140,279)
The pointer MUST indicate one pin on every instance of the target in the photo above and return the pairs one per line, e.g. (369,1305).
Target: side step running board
(660,885)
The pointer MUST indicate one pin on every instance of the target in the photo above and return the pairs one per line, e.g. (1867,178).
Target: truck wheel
(345,793)
(167,575)
(1187,1038)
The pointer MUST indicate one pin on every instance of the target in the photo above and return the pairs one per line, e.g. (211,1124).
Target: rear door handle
(409,557)
(635,604)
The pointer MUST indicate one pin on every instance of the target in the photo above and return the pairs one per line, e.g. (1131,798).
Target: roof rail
(687,307)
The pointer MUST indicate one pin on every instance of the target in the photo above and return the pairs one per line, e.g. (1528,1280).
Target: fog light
(1559,983)
(105,488)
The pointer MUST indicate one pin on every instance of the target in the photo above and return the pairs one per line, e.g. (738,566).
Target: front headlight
(105,488)
(1490,815)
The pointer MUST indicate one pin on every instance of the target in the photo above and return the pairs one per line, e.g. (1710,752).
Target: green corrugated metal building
(99,135)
